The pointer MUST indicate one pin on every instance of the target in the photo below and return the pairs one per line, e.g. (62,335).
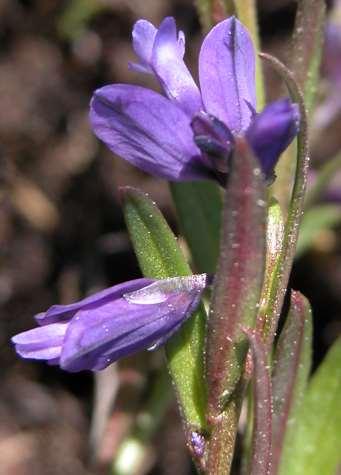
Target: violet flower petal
(143,41)
(227,74)
(214,140)
(147,130)
(272,131)
(58,313)
(42,343)
(206,124)
(174,328)
(160,290)
(161,52)
(168,64)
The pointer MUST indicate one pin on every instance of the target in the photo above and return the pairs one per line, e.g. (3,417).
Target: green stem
(286,256)
(305,62)
(222,438)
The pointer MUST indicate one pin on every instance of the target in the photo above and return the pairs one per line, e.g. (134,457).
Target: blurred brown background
(62,232)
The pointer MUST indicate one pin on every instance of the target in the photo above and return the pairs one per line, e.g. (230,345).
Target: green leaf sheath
(159,257)
(315,445)
(235,300)
(292,362)
(199,206)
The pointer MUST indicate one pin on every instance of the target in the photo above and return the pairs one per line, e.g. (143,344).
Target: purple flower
(198,444)
(113,323)
(189,134)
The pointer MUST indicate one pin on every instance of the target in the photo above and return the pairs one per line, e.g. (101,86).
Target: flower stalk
(235,302)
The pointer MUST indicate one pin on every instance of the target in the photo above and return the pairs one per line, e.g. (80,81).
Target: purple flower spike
(190,134)
(119,321)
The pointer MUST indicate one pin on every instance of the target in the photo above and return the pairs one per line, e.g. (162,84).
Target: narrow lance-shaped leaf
(307,46)
(199,207)
(290,374)
(261,452)
(315,446)
(159,257)
(235,300)
(287,253)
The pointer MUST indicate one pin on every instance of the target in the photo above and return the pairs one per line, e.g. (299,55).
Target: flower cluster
(189,134)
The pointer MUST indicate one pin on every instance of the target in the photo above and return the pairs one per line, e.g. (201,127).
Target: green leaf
(291,370)
(315,221)
(199,207)
(315,446)
(160,257)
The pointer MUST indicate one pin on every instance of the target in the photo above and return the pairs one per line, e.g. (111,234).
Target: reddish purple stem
(261,456)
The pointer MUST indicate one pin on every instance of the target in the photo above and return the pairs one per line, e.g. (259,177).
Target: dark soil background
(62,233)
